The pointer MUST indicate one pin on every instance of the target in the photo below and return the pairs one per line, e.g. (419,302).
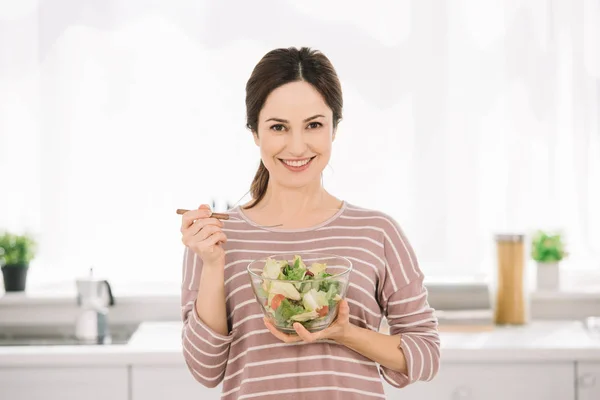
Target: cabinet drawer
(494,381)
(156,382)
(57,383)
(588,381)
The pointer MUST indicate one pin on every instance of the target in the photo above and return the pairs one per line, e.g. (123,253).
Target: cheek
(271,145)
(322,144)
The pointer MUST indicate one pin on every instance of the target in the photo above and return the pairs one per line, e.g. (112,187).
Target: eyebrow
(286,121)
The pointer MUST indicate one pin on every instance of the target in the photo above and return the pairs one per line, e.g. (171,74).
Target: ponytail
(258,188)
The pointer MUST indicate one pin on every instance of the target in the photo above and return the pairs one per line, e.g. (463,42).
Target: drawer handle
(587,381)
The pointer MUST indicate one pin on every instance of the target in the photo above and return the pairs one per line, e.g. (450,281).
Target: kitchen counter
(159,344)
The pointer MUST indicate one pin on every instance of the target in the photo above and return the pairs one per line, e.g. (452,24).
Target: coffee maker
(94,297)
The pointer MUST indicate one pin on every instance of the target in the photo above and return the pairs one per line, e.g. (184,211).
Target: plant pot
(548,276)
(15,277)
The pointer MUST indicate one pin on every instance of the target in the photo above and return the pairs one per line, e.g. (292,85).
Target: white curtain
(461,119)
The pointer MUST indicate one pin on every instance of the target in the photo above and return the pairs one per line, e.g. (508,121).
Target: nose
(297,145)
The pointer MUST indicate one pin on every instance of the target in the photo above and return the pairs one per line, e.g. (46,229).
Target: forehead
(294,99)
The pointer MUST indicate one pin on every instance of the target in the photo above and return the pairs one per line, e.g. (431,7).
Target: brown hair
(277,68)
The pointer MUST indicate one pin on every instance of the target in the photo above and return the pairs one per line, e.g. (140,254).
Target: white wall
(460,120)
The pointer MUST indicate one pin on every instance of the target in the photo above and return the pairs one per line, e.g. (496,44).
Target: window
(462,122)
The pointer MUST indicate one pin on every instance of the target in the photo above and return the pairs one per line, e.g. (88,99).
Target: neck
(283,201)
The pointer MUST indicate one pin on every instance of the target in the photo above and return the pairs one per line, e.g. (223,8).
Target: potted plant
(548,250)
(16,252)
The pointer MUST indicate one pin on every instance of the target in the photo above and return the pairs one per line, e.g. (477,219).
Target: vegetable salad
(308,299)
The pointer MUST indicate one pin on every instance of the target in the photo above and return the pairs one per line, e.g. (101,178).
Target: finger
(209,221)
(280,335)
(193,215)
(189,217)
(205,232)
(343,310)
(211,241)
(305,334)
(191,235)
(343,313)
(200,224)
(215,238)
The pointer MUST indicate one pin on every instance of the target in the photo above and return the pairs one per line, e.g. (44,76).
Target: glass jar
(511,306)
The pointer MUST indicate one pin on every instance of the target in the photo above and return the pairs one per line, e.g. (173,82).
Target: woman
(294,105)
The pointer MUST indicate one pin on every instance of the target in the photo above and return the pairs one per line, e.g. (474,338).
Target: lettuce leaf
(272,268)
(295,272)
(317,268)
(329,286)
(286,289)
(298,263)
(314,300)
(287,310)
(306,316)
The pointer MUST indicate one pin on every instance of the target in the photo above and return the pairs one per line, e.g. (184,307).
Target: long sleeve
(205,351)
(404,301)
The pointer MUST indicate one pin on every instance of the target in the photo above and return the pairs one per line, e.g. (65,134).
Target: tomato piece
(276,302)
(323,311)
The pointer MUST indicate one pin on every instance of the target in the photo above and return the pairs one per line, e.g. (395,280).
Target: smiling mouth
(297,163)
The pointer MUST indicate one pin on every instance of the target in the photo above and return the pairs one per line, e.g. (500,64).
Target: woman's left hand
(335,331)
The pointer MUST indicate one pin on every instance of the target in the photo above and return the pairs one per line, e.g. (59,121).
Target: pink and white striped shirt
(250,362)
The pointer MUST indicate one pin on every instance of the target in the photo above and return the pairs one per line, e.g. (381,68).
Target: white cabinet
(588,381)
(494,381)
(158,382)
(58,383)
(455,381)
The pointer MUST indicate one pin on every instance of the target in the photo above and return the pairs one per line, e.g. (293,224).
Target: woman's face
(295,134)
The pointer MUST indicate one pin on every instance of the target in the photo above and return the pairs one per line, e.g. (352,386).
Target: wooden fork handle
(222,216)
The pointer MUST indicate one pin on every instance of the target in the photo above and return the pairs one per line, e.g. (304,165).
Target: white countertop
(159,344)
(154,343)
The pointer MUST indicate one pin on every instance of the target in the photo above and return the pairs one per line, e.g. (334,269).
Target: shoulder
(399,253)
(238,223)
(378,218)
(394,237)
(401,260)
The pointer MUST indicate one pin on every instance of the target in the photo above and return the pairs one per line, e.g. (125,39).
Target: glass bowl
(300,287)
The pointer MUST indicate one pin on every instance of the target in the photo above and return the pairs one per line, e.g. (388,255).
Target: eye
(314,125)
(278,127)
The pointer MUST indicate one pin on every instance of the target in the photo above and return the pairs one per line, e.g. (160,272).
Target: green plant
(547,248)
(16,249)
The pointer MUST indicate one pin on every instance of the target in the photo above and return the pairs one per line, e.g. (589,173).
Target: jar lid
(510,237)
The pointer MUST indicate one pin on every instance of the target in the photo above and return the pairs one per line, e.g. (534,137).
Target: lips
(297,164)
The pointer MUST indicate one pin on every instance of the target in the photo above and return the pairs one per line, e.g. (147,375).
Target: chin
(298,183)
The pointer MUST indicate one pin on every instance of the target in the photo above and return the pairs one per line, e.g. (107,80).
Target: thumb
(204,207)
(344,309)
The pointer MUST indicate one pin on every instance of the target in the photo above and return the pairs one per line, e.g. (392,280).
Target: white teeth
(296,163)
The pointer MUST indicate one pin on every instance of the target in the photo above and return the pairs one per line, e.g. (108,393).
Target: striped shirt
(385,282)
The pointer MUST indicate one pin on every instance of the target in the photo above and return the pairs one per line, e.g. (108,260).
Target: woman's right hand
(203,235)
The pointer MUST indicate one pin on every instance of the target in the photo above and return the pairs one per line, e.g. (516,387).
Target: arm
(412,322)
(381,348)
(205,335)
(210,301)
(396,352)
